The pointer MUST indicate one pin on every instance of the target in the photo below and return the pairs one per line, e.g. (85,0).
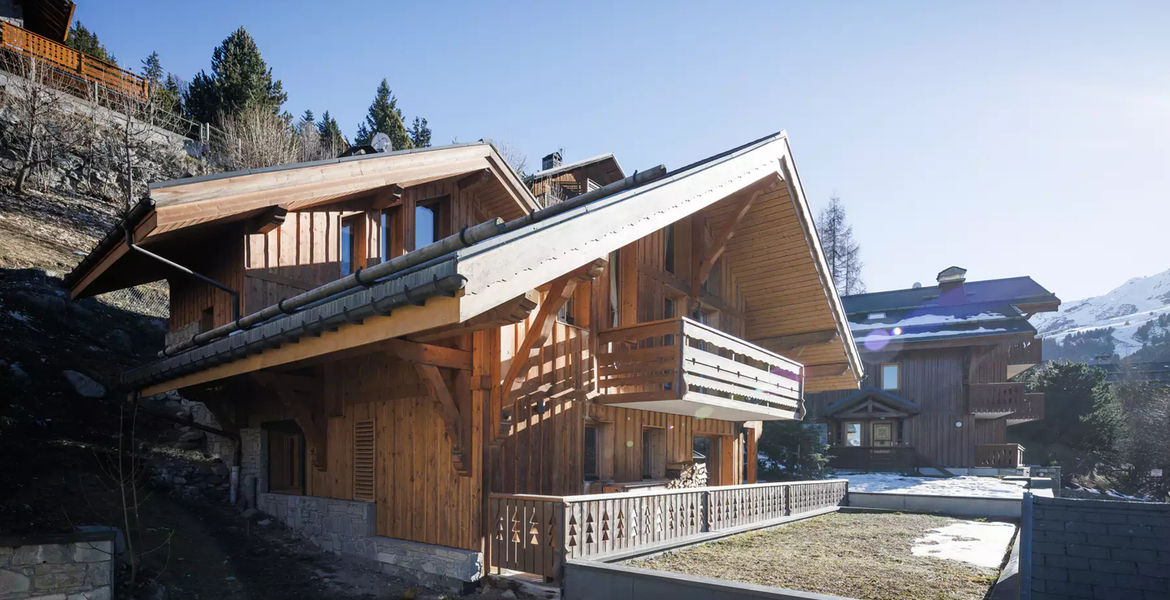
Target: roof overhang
(179,211)
(873,402)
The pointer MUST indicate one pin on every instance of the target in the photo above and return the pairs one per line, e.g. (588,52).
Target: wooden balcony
(72,67)
(874,458)
(1002,456)
(682,367)
(1033,409)
(1023,356)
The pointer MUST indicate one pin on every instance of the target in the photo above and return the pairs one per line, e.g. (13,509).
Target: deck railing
(681,359)
(66,60)
(997,398)
(1004,456)
(1031,410)
(535,534)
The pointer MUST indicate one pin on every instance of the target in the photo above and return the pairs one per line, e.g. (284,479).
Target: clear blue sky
(1008,138)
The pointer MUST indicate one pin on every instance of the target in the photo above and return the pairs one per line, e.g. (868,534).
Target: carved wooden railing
(535,534)
(64,59)
(1031,410)
(998,398)
(1025,353)
(1005,456)
(681,359)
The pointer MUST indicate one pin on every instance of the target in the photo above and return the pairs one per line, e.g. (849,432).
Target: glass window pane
(387,233)
(889,377)
(346,248)
(591,453)
(424,226)
(853,434)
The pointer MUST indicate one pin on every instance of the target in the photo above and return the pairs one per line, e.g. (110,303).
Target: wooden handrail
(67,59)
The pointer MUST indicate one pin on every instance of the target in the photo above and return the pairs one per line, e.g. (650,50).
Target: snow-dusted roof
(576,165)
(875,330)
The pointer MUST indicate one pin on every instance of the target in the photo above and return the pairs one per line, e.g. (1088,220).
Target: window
(851,432)
(891,377)
(349,230)
(568,310)
(286,460)
(668,265)
(428,222)
(591,444)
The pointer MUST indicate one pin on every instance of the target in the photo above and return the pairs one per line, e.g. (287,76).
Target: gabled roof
(613,167)
(552,242)
(974,311)
(178,211)
(882,396)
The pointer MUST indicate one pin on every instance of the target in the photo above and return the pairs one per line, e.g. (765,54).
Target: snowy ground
(980,544)
(984,487)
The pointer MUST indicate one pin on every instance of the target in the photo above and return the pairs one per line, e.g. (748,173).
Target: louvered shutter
(363,460)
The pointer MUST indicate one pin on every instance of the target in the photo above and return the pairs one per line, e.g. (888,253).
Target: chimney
(551,161)
(950,286)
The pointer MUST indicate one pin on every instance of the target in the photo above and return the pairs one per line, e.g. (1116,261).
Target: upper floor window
(668,265)
(891,377)
(349,228)
(387,230)
(591,444)
(428,222)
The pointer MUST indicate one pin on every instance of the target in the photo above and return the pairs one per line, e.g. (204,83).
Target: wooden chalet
(409,337)
(938,389)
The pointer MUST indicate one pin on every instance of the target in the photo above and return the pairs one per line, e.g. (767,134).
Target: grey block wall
(76,566)
(1100,549)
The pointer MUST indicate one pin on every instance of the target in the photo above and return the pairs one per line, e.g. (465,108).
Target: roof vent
(551,161)
(950,286)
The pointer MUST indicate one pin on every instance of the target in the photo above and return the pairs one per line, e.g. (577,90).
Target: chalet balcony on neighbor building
(1007,399)
(1003,456)
(683,367)
(1023,356)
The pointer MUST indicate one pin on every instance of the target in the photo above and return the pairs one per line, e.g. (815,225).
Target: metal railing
(535,534)
(681,359)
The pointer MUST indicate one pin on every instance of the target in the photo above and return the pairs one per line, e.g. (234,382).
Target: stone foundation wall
(253,464)
(349,528)
(61,567)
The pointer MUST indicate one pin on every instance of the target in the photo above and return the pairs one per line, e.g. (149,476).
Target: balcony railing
(1003,456)
(874,458)
(996,399)
(1032,410)
(66,61)
(683,367)
(535,534)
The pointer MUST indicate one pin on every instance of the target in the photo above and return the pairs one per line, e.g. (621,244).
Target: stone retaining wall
(349,528)
(60,567)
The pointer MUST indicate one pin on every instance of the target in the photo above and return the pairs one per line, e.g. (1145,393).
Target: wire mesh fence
(151,299)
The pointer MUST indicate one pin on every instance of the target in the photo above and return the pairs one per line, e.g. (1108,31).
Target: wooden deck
(535,534)
(79,69)
(684,367)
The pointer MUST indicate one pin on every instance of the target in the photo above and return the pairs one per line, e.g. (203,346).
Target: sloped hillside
(1132,320)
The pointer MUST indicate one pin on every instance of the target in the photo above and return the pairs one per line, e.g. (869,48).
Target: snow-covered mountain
(1138,311)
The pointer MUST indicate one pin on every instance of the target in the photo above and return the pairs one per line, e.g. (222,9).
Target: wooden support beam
(538,332)
(304,399)
(784,343)
(474,180)
(426,354)
(513,311)
(826,370)
(432,378)
(268,220)
(378,199)
(721,240)
(677,284)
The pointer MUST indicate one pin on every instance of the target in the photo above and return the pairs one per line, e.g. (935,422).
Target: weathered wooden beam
(513,311)
(268,220)
(538,332)
(677,284)
(826,370)
(306,404)
(782,343)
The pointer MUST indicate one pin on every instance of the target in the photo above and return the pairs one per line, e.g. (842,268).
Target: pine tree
(86,42)
(170,95)
(331,136)
(842,252)
(307,117)
(385,117)
(239,77)
(152,70)
(420,134)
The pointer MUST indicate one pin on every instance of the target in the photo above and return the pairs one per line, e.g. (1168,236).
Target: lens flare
(876,340)
(897,331)
(704,412)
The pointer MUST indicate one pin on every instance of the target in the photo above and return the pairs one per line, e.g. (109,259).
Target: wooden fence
(66,60)
(534,534)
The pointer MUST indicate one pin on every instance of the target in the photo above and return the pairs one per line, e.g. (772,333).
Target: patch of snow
(982,487)
(18,316)
(980,544)
(922,320)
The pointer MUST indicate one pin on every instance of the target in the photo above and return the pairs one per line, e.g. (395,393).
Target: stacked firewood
(693,475)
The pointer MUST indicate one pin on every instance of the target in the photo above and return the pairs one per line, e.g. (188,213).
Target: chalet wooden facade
(412,332)
(939,362)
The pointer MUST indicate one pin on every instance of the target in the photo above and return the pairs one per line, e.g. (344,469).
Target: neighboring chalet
(408,348)
(557,182)
(938,361)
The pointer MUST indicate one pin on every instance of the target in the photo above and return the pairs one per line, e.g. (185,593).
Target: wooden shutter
(363,460)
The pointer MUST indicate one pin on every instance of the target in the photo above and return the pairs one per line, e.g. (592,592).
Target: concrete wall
(1098,549)
(944,505)
(600,581)
(78,566)
(349,528)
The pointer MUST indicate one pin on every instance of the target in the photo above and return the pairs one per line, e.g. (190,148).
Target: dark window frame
(594,474)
